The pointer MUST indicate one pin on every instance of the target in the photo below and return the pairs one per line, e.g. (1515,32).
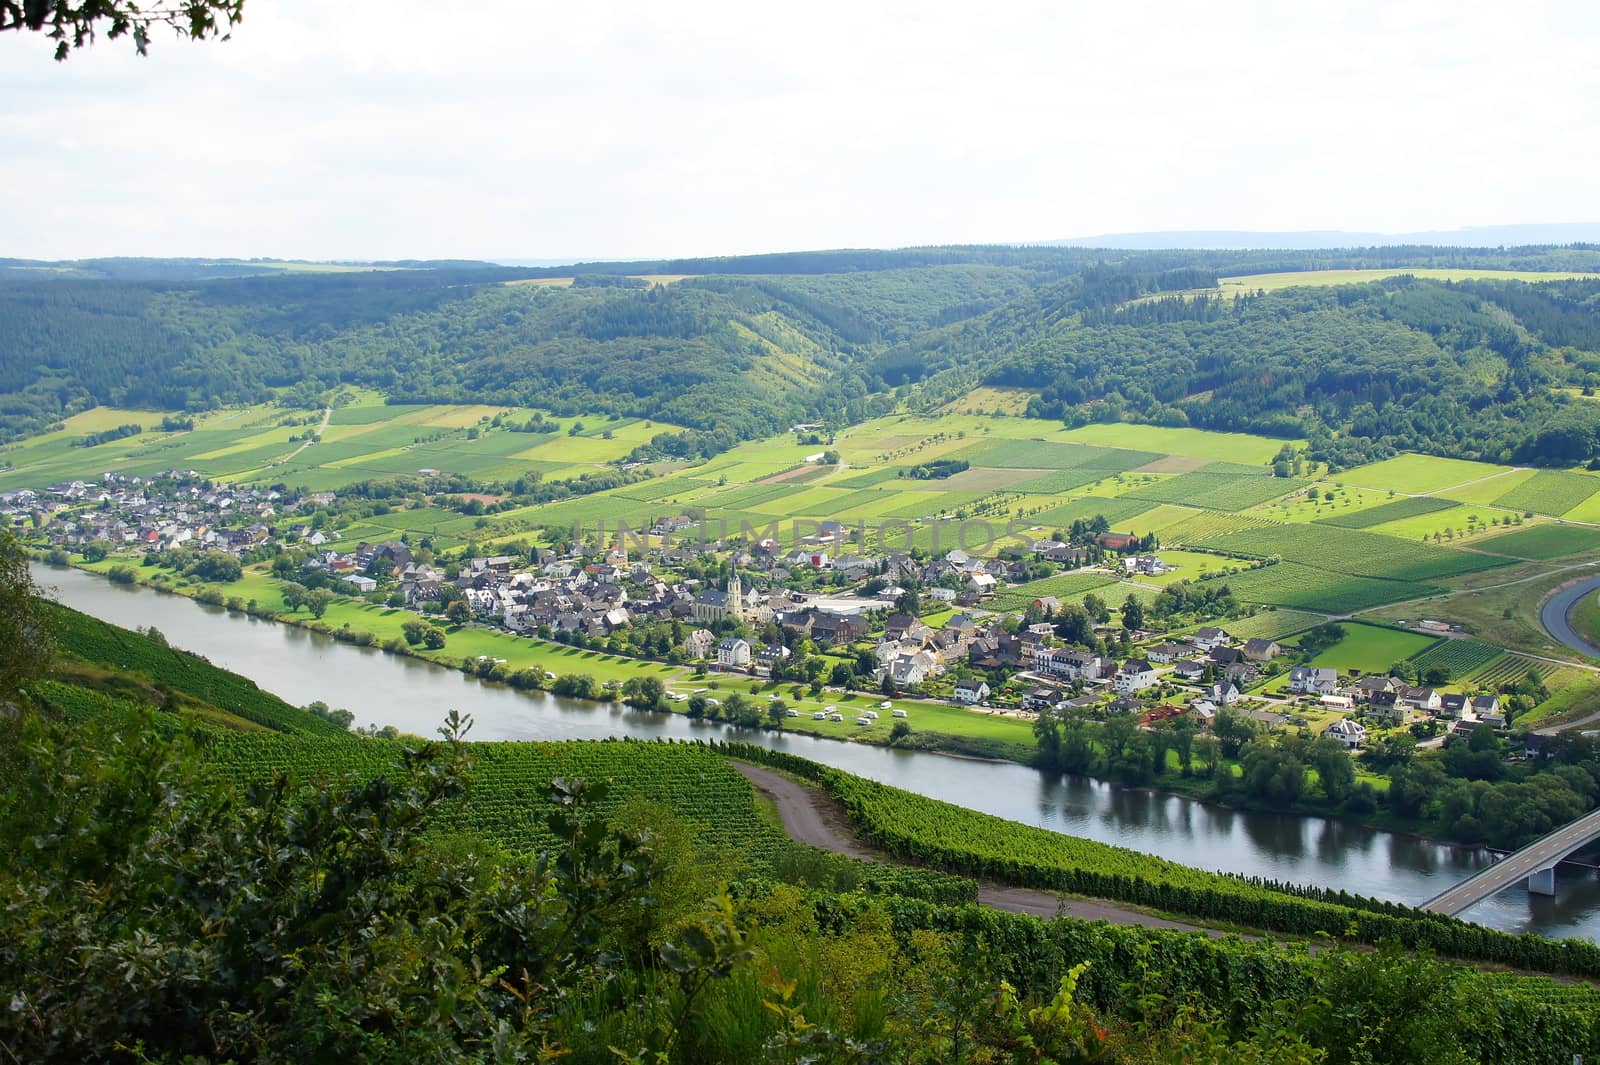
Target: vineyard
(86,639)
(1293,585)
(1046,455)
(1224,486)
(959,840)
(508,799)
(1543,542)
(1062,586)
(1273,624)
(1348,551)
(1460,657)
(1507,669)
(1210,527)
(1552,492)
(1409,507)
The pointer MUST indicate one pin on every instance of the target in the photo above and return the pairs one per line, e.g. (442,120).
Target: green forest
(739,348)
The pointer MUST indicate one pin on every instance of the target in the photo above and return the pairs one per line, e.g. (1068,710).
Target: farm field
(1462,657)
(1543,542)
(1357,546)
(1320,278)
(1552,492)
(1419,474)
(1372,648)
(364,440)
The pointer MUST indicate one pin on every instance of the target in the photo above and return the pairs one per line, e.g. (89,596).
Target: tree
(414,630)
(25,631)
(777,710)
(317,600)
(458,612)
(75,23)
(1132,613)
(433,639)
(1335,771)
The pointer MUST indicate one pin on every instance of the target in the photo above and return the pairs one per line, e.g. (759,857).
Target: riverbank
(937,729)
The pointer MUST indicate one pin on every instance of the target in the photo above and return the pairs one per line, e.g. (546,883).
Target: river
(379,688)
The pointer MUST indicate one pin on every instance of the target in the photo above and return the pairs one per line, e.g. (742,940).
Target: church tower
(735,598)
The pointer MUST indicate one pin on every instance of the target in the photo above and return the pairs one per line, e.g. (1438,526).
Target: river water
(383,689)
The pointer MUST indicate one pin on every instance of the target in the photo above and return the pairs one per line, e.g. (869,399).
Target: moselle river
(384,689)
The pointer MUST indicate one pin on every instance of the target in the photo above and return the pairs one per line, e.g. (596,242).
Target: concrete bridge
(1536,862)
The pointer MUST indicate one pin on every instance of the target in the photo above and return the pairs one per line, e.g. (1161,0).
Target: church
(710,607)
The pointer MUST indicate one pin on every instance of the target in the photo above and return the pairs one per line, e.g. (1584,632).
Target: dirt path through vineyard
(811,817)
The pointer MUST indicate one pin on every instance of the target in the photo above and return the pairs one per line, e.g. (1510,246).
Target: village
(903,624)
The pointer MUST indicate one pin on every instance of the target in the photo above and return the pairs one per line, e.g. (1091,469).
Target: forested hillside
(738,348)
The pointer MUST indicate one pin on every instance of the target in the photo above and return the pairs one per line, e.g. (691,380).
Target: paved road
(813,818)
(1556,613)
(1539,854)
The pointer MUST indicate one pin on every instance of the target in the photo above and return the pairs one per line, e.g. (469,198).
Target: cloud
(378,129)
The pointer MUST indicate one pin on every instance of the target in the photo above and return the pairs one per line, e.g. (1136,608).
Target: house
(771,654)
(1485,707)
(1040,698)
(907,670)
(362,584)
(1308,680)
(1069,663)
(971,691)
(1259,650)
(1386,709)
(1222,694)
(1188,669)
(1373,683)
(1225,656)
(1114,541)
(1136,674)
(733,653)
(1453,706)
(1210,636)
(982,583)
(1046,605)
(1421,698)
(1240,673)
(903,628)
(829,628)
(1347,731)
(1163,653)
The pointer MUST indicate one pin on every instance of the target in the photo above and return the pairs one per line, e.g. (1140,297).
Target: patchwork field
(1354,541)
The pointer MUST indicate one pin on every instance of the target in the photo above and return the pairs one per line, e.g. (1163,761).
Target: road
(1540,854)
(1556,613)
(327,413)
(813,818)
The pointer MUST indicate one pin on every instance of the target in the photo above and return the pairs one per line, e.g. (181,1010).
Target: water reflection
(414,695)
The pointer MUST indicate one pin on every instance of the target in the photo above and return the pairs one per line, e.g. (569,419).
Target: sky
(377,129)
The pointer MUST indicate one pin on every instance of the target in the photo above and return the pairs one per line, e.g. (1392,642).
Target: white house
(698,644)
(1135,675)
(1308,680)
(1348,732)
(733,653)
(1210,637)
(971,691)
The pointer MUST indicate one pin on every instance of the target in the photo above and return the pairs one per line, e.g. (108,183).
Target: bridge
(1537,862)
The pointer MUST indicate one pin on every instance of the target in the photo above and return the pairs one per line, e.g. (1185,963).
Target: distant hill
(1315,239)
(1486,367)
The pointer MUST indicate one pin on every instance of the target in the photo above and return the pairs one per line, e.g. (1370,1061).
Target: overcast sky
(377,129)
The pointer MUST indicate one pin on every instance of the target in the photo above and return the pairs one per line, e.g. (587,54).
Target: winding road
(1556,615)
(812,818)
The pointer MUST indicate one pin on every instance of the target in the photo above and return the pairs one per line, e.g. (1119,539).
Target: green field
(1552,492)
(1409,507)
(1372,649)
(1543,542)
(1319,278)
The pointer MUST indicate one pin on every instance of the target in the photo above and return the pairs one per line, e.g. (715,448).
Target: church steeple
(735,598)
